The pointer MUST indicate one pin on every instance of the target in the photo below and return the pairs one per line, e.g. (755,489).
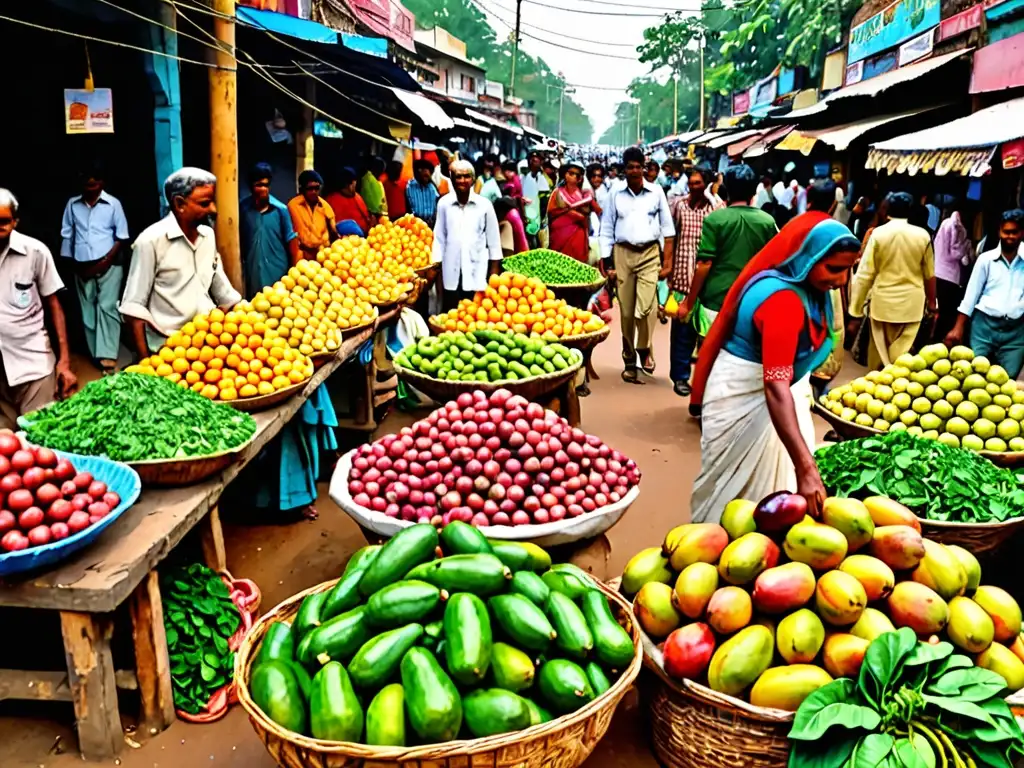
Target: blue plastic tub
(120,478)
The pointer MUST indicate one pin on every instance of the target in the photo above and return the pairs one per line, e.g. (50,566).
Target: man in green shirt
(372,190)
(730,238)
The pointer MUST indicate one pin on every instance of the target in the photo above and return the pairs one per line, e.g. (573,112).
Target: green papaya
(308,617)
(403,552)
(334,711)
(564,685)
(468,640)
(511,669)
(493,711)
(538,714)
(574,636)
(336,639)
(378,659)
(278,644)
(598,679)
(482,574)
(403,602)
(276,692)
(531,586)
(385,718)
(576,571)
(459,538)
(513,554)
(540,560)
(566,582)
(523,621)
(433,631)
(431,699)
(344,595)
(613,646)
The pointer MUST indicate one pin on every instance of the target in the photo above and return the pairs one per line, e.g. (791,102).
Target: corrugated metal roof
(985,128)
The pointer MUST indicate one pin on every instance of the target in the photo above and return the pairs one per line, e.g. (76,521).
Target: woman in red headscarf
(751,386)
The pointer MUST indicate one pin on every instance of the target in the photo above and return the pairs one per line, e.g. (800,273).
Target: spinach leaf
(957,707)
(872,750)
(828,753)
(906,754)
(834,704)
(882,663)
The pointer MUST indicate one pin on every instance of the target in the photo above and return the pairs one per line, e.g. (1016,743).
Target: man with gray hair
(30,375)
(176,271)
(466,238)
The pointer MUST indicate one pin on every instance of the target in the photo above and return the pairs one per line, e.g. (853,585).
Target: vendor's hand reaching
(67,382)
(809,485)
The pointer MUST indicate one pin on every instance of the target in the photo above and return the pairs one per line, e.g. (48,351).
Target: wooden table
(121,566)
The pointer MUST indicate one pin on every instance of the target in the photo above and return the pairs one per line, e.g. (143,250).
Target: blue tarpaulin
(371,46)
(283,24)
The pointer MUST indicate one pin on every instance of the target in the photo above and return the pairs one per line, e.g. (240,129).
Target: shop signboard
(741,102)
(297,8)
(88,111)
(388,18)
(881,64)
(854,73)
(1013,154)
(961,23)
(893,25)
(917,48)
(764,92)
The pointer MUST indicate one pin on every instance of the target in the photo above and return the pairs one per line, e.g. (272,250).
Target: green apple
(983,428)
(902,400)
(997,375)
(934,392)
(899,426)
(836,408)
(909,418)
(848,414)
(915,430)
(858,385)
(899,372)
(972,442)
(1008,429)
(866,421)
(1017,444)
(942,409)
(961,370)
(874,409)
(954,397)
(863,400)
(883,392)
(957,426)
(979,397)
(921,405)
(924,377)
(891,413)
(942,367)
(951,440)
(948,384)
(915,389)
(917,363)
(900,384)
(974,381)
(1016,412)
(930,434)
(934,352)
(968,411)
(993,413)
(1009,388)
(995,444)
(850,399)
(930,421)
(904,361)
(1018,396)
(881,425)
(981,364)
(835,394)
(961,353)
(1003,401)
(993,389)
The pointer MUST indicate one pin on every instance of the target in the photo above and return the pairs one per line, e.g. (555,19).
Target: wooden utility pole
(675,104)
(515,48)
(224,139)
(702,82)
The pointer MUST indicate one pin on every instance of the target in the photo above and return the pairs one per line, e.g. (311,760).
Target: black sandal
(630,376)
(647,362)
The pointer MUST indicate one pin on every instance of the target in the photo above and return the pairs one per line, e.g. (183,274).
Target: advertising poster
(88,111)
(900,21)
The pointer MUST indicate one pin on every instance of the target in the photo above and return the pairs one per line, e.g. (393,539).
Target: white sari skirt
(742,457)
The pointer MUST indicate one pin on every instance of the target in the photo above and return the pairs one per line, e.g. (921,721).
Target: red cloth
(350,208)
(394,193)
(781,319)
(778,249)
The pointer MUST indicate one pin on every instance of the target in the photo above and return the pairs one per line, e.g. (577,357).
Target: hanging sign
(891,26)
(88,111)
(917,48)
(1013,154)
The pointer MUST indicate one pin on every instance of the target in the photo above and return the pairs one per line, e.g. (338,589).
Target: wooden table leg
(93,689)
(571,405)
(152,667)
(212,536)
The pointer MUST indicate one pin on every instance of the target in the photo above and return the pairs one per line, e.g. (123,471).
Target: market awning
(426,110)
(876,85)
(283,24)
(731,137)
(762,144)
(471,125)
(480,117)
(841,136)
(533,132)
(704,138)
(797,141)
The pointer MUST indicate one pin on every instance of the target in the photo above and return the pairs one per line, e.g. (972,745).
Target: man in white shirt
(93,231)
(176,271)
(637,242)
(466,238)
(535,184)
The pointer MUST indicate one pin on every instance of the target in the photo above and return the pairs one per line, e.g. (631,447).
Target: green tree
(535,82)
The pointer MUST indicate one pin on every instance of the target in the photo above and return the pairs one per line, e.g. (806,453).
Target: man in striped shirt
(688,215)
(420,193)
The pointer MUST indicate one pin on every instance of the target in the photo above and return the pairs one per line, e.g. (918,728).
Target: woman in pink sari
(569,215)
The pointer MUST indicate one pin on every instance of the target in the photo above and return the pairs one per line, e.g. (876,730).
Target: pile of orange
(310,305)
(374,276)
(228,355)
(521,304)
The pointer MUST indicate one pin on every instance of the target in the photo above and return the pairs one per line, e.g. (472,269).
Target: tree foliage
(535,82)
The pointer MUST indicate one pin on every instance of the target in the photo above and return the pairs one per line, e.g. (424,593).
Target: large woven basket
(847,430)
(532,388)
(979,538)
(562,743)
(582,342)
(696,727)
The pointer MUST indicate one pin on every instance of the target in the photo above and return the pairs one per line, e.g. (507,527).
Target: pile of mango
(771,604)
(949,395)
(409,647)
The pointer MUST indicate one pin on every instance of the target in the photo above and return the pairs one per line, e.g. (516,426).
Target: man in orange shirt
(312,216)
(394,190)
(347,204)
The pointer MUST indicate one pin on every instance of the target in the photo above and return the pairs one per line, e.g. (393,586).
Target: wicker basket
(582,342)
(532,388)
(562,743)
(979,538)
(847,430)
(348,333)
(174,473)
(263,402)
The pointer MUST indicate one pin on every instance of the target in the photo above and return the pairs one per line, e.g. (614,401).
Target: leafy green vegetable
(551,267)
(134,417)
(201,661)
(914,705)
(936,481)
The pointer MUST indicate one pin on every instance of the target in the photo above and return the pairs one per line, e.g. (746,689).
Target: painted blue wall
(165,82)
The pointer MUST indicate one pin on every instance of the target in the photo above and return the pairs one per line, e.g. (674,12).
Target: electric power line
(564,37)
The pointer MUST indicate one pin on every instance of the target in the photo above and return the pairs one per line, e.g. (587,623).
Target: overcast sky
(578,61)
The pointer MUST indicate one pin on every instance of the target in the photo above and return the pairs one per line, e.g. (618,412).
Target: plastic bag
(246,597)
